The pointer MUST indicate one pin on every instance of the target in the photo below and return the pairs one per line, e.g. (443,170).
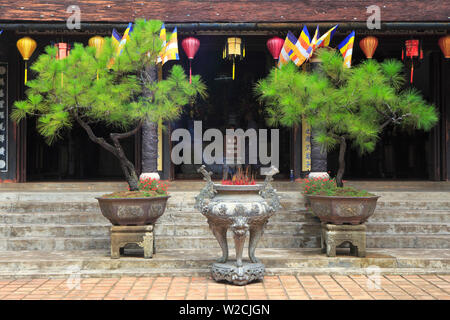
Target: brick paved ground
(273,287)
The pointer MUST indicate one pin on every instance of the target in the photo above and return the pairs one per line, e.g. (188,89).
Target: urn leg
(256,233)
(220,232)
(240,228)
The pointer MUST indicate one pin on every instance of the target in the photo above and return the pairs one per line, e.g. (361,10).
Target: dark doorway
(231,103)
(73,157)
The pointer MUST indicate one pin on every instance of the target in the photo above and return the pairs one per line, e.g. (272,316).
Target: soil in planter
(134,194)
(343,192)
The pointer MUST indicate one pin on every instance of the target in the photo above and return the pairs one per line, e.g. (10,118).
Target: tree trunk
(149,129)
(149,147)
(116,149)
(341,170)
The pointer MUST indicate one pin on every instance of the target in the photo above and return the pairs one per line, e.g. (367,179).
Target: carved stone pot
(245,209)
(342,210)
(133,211)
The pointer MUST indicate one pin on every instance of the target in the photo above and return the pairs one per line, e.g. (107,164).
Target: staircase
(47,232)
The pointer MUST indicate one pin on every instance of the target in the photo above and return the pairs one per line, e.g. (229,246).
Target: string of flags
(169,50)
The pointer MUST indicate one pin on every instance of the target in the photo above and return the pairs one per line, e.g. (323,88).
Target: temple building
(403,155)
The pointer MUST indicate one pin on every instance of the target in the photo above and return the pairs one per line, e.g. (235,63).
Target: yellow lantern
(26,48)
(97,42)
(234,48)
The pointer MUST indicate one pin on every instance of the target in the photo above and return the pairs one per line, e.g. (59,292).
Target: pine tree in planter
(344,105)
(120,92)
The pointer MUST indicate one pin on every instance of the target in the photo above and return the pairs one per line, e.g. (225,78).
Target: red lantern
(274,45)
(411,51)
(190,46)
(63,50)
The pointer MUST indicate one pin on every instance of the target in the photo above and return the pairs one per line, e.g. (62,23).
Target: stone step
(97,263)
(378,240)
(170,216)
(195,230)
(52,230)
(297,228)
(54,243)
(187,204)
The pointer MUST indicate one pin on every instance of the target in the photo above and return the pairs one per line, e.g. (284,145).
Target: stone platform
(53,228)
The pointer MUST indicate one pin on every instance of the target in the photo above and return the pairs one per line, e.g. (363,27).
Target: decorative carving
(207,192)
(240,276)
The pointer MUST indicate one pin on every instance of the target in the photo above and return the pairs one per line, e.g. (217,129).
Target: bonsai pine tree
(344,104)
(119,91)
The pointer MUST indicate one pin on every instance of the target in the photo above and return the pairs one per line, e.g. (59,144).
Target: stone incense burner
(245,209)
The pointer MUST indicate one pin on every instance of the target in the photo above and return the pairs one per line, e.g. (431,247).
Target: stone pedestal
(240,276)
(139,235)
(335,235)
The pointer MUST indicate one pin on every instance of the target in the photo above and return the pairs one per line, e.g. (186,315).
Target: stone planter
(245,209)
(342,210)
(133,211)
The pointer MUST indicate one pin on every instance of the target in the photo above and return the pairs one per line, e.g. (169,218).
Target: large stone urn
(245,209)
(133,211)
(342,209)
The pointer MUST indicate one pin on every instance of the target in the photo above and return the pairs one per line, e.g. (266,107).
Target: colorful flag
(292,50)
(314,40)
(324,41)
(346,48)
(305,43)
(116,38)
(125,37)
(171,49)
(162,36)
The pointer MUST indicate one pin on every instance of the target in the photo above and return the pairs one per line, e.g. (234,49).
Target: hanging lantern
(444,44)
(26,48)
(412,54)
(97,42)
(190,46)
(274,45)
(63,50)
(368,46)
(234,48)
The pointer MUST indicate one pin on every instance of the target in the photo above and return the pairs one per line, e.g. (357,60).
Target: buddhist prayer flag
(305,43)
(292,50)
(116,38)
(172,48)
(346,48)
(125,37)
(162,36)
(315,39)
(324,41)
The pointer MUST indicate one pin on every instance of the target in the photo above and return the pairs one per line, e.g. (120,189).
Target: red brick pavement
(302,287)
